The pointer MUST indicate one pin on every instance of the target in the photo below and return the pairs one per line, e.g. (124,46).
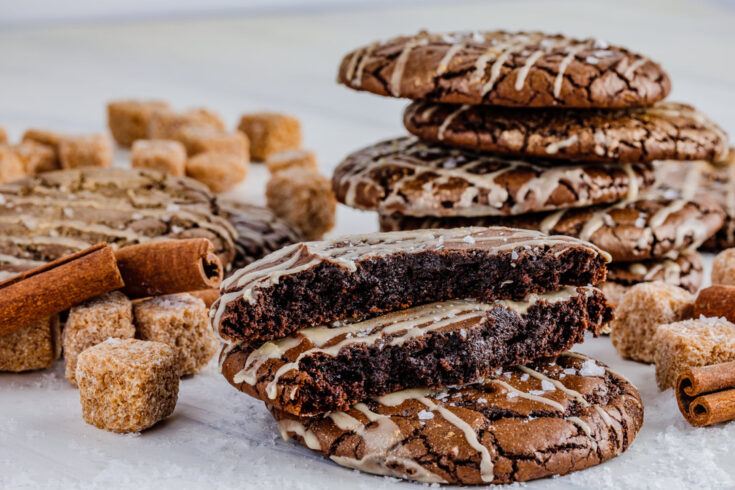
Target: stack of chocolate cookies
(535,131)
(433,355)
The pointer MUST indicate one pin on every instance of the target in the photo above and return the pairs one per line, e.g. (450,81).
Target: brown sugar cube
(93,322)
(46,137)
(641,311)
(291,159)
(3,135)
(203,139)
(165,124)
(34,346)
(691,343)
(270,133)
(162,155)
(218,171)
(94,150)
(303,199)
(128,119)
(181,321)
(11,166)
(36,157)
(127,385)
(723,267)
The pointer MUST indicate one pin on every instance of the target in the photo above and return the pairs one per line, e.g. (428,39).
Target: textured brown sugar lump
(723,267)
(3,135)
(550,417)
(11,166)
(640,313)
(304,199)
(36,157)
(181,321)
(34,346)
(165,124)
(332,367)
(356,276)
(93,322)
(162,155)
(45,136)
(94,150)
(128,120)
(522,69)
(691,343)
(270,133)
(218,171)
(287,159)
(127,385)
(205,139)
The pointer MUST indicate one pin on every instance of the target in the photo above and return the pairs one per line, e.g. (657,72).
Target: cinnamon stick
(57,286)
(706,395)
(168,267)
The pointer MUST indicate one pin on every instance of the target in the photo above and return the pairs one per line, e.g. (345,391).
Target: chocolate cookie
(259,231)
(332,367)
(57,213)
(665,131)
(528,69)
(314,283)
(552,417)
(685,271)
(703,180)
(415,178)
(628,231)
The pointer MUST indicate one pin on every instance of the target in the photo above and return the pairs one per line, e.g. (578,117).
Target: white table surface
(60,78)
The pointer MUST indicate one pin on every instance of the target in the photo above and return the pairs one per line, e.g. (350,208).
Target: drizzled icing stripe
(448,120)
(558,384)
(571,53)
(447,58)
(400,66)
(634,66)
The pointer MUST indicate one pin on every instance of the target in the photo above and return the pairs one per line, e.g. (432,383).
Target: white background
(60,63)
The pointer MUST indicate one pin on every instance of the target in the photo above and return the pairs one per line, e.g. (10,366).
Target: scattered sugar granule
(548,385)
(591,368)
(425,415)
(482,400)
(570,371)
(524,377)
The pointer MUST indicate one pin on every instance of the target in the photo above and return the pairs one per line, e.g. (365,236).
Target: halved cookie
(332,367)
(355,276)
(551,417)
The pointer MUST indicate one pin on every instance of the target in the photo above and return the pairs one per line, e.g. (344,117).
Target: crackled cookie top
(652,227)
(57,213)
(412,177)
(664,131)
(551,417)
(528,69)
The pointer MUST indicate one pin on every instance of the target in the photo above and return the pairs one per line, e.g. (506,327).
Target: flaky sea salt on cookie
(127,385)
(181,321)
(691,343)
(641,311)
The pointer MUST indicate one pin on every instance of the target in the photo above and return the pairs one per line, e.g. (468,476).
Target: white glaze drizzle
(397,75)
(448,120)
